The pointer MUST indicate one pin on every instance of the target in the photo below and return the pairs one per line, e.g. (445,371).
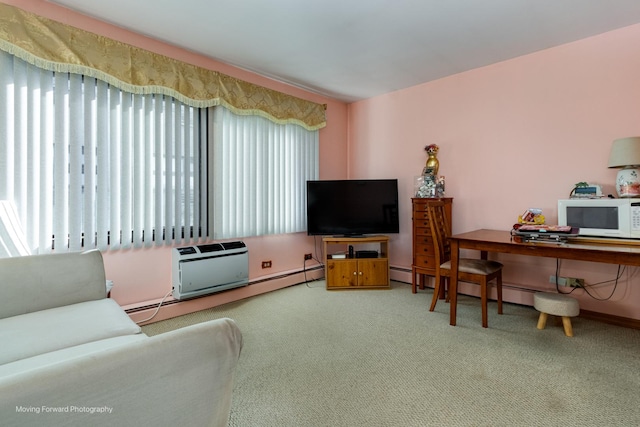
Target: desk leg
(453,281)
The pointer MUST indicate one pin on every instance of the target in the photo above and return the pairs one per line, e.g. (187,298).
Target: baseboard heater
(207,269)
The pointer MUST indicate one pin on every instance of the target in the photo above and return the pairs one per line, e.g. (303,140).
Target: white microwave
(616,218)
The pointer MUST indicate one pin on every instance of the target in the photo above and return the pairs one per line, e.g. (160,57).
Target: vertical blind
(259,174)
(88,165)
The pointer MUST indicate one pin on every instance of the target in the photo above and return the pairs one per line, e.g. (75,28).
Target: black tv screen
(352,207)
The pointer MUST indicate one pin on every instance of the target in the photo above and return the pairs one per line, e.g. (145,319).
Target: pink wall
(143,276)
(513,135)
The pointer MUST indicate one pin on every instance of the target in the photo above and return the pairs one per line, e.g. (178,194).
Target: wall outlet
(307,256)
(575,283)
(567,281)
(266,264)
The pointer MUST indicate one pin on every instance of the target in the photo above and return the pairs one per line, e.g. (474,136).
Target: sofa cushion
(40,282)
(183,377)
(30,334)
(65,354)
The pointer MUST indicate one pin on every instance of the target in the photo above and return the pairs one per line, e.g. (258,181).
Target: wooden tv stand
(345,272)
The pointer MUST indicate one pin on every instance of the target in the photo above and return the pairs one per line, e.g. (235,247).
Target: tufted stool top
(556,304)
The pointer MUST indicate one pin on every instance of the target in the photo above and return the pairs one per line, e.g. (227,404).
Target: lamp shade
(625,154)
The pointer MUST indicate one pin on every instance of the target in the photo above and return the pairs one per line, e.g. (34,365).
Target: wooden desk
(502,241)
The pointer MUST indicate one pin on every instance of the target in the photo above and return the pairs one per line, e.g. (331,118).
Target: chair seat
(475,266)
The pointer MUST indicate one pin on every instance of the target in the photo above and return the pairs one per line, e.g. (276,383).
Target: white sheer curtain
(91,166)
(258,172)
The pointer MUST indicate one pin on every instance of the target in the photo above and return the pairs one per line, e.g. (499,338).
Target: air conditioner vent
(233,245)
(187,251)
(213,247)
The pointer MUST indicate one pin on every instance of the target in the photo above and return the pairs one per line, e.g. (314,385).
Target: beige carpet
(380,358)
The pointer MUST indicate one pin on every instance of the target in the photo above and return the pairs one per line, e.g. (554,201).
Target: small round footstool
(557,305)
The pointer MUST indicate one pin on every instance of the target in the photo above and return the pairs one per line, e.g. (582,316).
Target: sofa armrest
(183,377)
(39,282)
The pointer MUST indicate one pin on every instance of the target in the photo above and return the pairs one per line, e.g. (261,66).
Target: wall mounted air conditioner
(206,269)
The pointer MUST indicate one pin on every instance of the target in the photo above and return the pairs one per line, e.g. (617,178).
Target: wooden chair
(479,271)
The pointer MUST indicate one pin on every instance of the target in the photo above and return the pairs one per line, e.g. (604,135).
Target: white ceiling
(356,49)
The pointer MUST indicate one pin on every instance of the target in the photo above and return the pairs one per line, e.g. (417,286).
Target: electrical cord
(615,286)
(557,275)
(315,258)
(157,309)
(586,286)
(304,269)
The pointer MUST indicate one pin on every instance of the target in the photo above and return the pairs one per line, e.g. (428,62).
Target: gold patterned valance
(58,47)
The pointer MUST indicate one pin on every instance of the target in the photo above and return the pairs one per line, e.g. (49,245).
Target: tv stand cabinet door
(342,274)
(373,273)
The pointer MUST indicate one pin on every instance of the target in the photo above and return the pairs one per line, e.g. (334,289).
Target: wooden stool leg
(542,320)
(568,330)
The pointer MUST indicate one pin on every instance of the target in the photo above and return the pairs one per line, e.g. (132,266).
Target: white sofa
(71,356)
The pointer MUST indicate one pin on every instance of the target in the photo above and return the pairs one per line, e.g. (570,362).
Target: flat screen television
(352,207)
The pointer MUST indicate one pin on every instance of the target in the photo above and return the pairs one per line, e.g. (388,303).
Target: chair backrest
(439,230)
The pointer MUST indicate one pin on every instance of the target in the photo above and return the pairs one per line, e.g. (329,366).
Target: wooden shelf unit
(356,273)
(424,261)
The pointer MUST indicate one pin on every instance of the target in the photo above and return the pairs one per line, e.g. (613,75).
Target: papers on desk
(543,232)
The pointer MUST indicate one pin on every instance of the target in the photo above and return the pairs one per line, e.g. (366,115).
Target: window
(259,170)
(88,165)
